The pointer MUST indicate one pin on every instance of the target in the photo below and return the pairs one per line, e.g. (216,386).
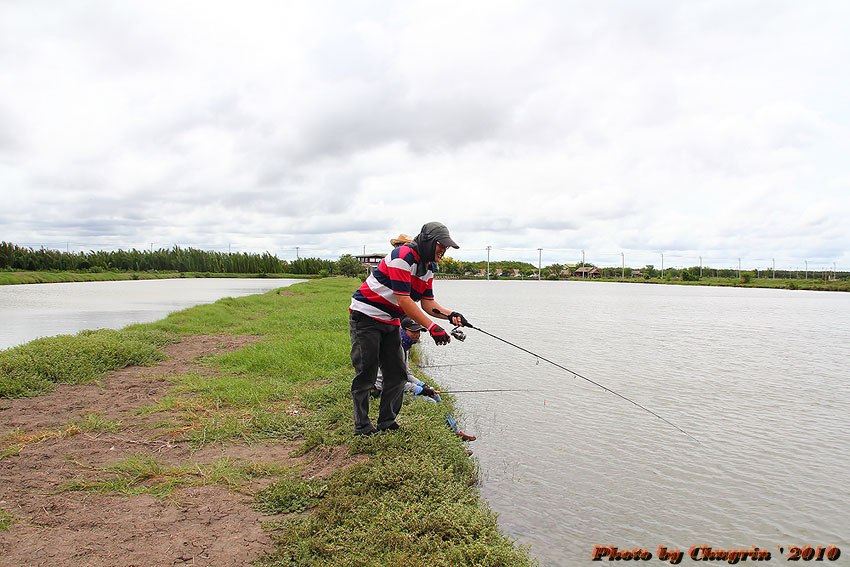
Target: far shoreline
(760,283)
(811,284)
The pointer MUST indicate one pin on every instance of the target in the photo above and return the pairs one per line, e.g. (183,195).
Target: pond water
(759,377)
(31,311)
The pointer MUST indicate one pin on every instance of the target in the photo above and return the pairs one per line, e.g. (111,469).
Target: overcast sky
(718,129)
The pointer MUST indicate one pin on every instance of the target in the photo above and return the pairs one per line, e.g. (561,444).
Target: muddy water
(31,311)
(760,377)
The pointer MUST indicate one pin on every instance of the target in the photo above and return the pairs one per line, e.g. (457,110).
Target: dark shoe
(466,437)
(391,427)
(366,432)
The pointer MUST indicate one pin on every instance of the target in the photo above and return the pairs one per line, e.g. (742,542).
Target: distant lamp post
(774,267)
(539,262)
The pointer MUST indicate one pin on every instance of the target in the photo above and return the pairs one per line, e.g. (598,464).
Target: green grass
(290,495)
(95,423)
(145,475)
(35,367)
(414,501)
(6,520)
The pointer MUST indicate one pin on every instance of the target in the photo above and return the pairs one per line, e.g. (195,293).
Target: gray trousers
(372,344)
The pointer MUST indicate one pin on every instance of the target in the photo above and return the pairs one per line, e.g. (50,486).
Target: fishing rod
(631,401)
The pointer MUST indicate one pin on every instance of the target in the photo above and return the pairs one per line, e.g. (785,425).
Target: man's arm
(429,305)
(412,310)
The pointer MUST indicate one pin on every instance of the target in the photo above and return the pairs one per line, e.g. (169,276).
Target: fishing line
(631,401)
(478,391)
(457,364)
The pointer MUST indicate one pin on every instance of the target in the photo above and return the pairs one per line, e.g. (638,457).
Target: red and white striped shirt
(394,276)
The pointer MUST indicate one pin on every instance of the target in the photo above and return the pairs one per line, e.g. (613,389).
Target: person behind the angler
(403,278)
(410,332)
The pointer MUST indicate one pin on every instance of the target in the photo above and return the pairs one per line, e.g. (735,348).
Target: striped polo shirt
(394,276)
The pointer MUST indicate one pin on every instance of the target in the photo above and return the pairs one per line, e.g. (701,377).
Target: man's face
(438,253)
(414,335)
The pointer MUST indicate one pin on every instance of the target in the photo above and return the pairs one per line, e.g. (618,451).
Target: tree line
(177,259)
(513,269)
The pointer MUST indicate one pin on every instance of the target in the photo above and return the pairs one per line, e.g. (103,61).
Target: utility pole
(739,268)
(833,272)
(297,257)
(807,268)
(623,257)
(364,249)
(582,258)
(488,262)
(228,248)
(774,267)
(662,265)
(539,262)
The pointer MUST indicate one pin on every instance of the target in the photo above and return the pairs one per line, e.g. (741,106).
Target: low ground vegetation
(265,418)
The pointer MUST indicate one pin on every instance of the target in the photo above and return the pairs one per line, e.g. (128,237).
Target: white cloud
(717,129)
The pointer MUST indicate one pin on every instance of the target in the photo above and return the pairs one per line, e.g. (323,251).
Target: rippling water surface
(31,311)
(759,377)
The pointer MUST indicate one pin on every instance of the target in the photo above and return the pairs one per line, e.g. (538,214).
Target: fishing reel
(458,334)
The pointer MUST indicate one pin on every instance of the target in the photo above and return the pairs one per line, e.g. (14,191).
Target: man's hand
(459,320)
(439,335)
(426,391)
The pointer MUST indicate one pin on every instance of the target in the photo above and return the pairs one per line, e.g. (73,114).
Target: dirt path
(208,525)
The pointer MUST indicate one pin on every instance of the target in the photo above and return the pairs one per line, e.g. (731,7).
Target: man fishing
(403,278)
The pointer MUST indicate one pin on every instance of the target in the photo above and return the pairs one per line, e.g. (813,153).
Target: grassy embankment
(11,278)
(413,502)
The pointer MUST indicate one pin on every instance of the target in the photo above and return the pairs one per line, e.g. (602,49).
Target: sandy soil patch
(208,525)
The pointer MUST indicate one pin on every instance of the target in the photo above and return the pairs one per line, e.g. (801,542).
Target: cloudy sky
(718,129)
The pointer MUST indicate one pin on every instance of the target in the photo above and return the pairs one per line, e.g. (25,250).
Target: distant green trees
(177,259)
(348,265)
(461,268)
(14,257)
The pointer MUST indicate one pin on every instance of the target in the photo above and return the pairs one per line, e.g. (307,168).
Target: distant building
(588,272)
(370,261)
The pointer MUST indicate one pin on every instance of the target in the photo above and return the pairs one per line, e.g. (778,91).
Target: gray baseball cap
(439,232)
(410,325)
